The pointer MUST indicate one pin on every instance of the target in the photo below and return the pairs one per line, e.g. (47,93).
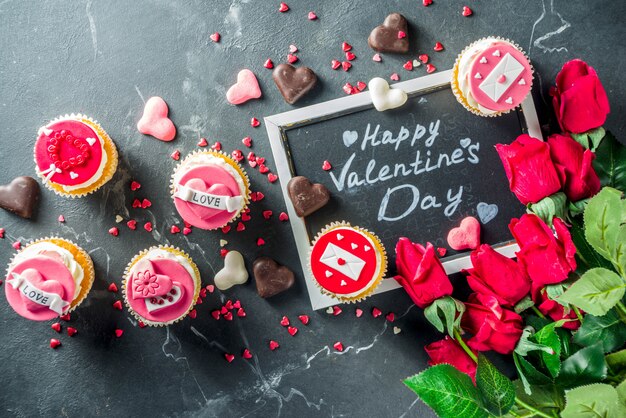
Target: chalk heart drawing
(350,137)
(486,212)
(465,142)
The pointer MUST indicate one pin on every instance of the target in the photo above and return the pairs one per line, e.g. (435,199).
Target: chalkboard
(415,171)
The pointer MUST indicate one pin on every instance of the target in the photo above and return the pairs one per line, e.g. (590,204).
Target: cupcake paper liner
(378,246)
(176,251)
(455,75)
(230,161)
(110,166)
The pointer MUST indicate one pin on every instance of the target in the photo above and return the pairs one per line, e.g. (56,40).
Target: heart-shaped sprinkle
(509,100)
(65,317)
(466,11)
(427,3)
(345,47)
(226,229)
(466,236)
(396,330)
(350,56)
(501,78)
(229,357)
(338,346)
(215,314)
(260,242)
(17,245)
(336,310)
(312,16)
(273,345)
(154,120)
(263,168)
(135,185)
(361,85)
(522,82)
(408,66)
(186,230)
(119,333)
(241,227)
(71,331)
(329,273)
(304,319)
(284,321)
(246,354)
(424,58)
(334,64)
(478,76)
(293,49)
(246,88)
(223,252)
(61,218)
(376,312)
(390,317)
(56,326)
(175,155)
(254,122)
(217,146)
(174,229)
(247,141)
(283,8)
(358,312)
(283,217)
(384,97)
(326,166)
(271,177)
(20,196)
(136,203)
(90,141)
(203,142)
(148,226)
(131,224)
(193,314)
(141,324)
(292,330)
(112,288)
(346,65)
(228,316)
(2,231)
(348,88)
(377,58)
(401,34)
(145,203)
(430,68)
(117,305)
(496,53)
(267,214)
(329,310)
(223,243)
(54,343)
(394,77)
(233,273)
(442,251)
(114,231)
(241,313)
(483,60)
(292,59)
(215,37)
(438,47)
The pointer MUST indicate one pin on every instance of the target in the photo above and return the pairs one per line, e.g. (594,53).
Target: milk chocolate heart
(306,196)
(20,196)
(271,278)
(293,83)
(388,36)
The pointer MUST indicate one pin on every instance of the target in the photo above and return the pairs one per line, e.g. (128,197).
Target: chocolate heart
(306,196)
(271,278)
(293,83)
(20,196)
(384,38)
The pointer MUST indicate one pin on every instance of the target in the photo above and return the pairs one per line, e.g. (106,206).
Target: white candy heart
(330,310)
(496,53)
(329,273)
(234,271)
(46,131)
(73,175)
(483,60)
(223,243)
(478,76)
(384,97)
(90,141)
(343,283)
(521,82)
(118,219)
(354,246)
(339,237)
(396,330)
(367,247)
(509,100)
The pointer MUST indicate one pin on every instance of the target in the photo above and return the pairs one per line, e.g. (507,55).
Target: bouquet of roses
(558,309)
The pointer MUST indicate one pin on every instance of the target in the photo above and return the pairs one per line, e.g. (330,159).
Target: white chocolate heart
(384,97)
(90,141)
(234,271)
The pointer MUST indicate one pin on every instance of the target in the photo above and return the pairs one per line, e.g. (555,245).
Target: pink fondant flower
(145,283)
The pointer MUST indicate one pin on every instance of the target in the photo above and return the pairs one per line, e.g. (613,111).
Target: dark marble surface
(103,59)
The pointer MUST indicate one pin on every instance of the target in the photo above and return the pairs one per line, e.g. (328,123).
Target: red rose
(493,328)
(554,310)
(574,162)
(420,272)
(448,351)
(498,276)
(579,100)
(530,171)
(547,259)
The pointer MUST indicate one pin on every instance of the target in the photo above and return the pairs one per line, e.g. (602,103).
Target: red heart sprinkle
(268,64)
(175,155)
(285,321)
(210,288)
(292,330)
(350,56)
(358,312)
(56,326)
(442,251)
(338,346)
(193,313)
(267,214)
(215,37)
(113,288)
(246,354)
(228,316)
(117,305)
(136,203)
(229,357)
(438,47)
(226,229)
(341,261)
(430,68)
(345,47)
(326,166)
(247,141)
(215,314)
(334,64)
(312,16)
(141,324)
(251,156)
(186,231)
(54,343)
(292,59)
(274,345)
(71,331)
(408,65)
(260,160)
(376,312)
(203,142)
(259,196)
(245,217)
(263,168)
(174,229)
(423,58)
(283,217)
(304,319)
(390,317)
(217,146)
(241,313)
(223,252)
(229,304)
(467,11)
(2,231)
(254,122)
(148,226)
(401,34)
(427,3)
(17,245)
(223,310)
(271,177)
(240,227)
(346,65)
(145,203)
(361,85)
(283,8)
(119,333)
(260,242)
(336,310)
(134,185)
(237,304)
(237,155)
(65,317)
(203,293)
(199,301)
(132,224)
(394,77)
(377,58)
(113,231)
(252,163)
(347,88)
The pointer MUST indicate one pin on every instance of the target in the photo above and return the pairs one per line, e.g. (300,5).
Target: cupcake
(74,155)
(161,285)
(491,77)
(47,278)
(347,262)
(210,189)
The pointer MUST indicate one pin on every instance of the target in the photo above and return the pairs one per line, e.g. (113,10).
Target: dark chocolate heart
(293,83)
(20,196)
(271,278)
(384,38)
(306,196)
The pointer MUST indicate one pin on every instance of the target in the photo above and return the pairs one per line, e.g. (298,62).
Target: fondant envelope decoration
(350,266)
(510,68)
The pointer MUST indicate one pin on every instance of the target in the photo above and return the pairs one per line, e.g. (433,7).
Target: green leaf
(597,400)
(602,220)
(597,291)
(523,304)
(621,392)
(590,139)
(445,313)
(610,162)
(566,345)
(549,207)
(616,363)
(547,336)
(576,208)
(496,389)
(547,398)
(450,393)
(528,374)
(586,365)
(586,256)
(525,346)
(609,330)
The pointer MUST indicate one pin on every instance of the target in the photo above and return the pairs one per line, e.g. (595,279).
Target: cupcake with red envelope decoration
(492,76)
(347,262)
(48,278)
(74,156)
(210,189)
(161,285)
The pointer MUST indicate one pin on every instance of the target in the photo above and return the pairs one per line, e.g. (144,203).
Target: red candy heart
(427,3)
(430,68)
(267,214)
(269,64)
(134,185)
(113,288)
(338,346)
(132,224)
(229,357)
(423,58)
(408,65)
(215,37)
(312,16)
(438,47)
(119,333)
(283,217)
(273,345)
(390,317)
(117,305)
(345,47)
(114,231)
(284,322)
(246,354)
(271,177)
(54,343)
(376,312)
(467,11)
(304,319)
(203,142)
(346,65)
(292,330)
(326,166)
(283,8)
(334,64)
(292,58)
(56,326)
(247,141)
(71,331)
(350,56)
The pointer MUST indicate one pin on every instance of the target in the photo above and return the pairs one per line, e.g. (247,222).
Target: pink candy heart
(155,122)
(48,286)
(246,88)
(466,236)
(199,185)
(147,283)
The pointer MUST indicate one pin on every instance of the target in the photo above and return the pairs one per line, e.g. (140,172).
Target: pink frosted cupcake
(161,285)
(210,189)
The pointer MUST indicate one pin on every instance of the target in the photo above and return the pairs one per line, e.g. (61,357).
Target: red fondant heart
(466,236)
(37,280)
(155,122)
(200,186)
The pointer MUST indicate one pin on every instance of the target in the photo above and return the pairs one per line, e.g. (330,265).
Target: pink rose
(574,162)
(531,173)
(448,351)
(579,100)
